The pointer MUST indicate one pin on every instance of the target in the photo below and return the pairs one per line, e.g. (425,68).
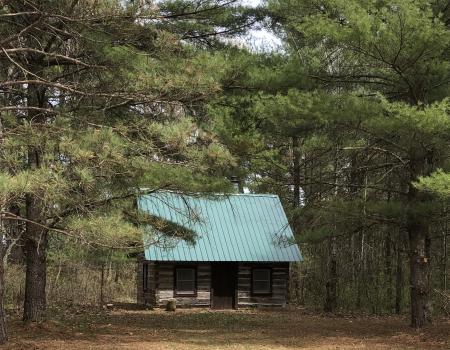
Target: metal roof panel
(241,227)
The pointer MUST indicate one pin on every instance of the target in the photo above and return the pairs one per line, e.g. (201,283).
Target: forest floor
(204,329)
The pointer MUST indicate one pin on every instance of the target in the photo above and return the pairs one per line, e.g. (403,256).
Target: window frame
(265,293)
(175,289)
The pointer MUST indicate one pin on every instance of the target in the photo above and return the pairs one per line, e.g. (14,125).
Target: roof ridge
(221,194)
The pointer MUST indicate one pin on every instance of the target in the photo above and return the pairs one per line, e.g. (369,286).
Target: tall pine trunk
(3,248)
(102,285)
(36,266)
(388,270)
(331,284)
(3,331)
(444,257)
(418,274)
(398,281)
(296,175)
(35,240)
(417,228)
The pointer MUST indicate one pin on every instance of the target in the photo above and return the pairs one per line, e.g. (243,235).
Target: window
(261,281)
(145,277)
(185,281)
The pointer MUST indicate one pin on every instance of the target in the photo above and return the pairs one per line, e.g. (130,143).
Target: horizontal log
(204,287)
(243,305)
(242,281)
(164,291)
(261,302)
(203,277)
(274,285)
(164,270)
(251,296)
(203,270)
(186,301)
(165,273)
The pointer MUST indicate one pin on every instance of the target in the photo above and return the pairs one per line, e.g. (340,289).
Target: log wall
(161,285)
(165,274)
(280,277)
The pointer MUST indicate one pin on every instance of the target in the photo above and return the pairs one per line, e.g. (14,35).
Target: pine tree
(353,116)
(399,50)
(99,101)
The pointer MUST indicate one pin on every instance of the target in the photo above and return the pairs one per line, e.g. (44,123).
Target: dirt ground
(240,330)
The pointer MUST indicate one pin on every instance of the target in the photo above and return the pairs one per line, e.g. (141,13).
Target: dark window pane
(185,274)
(261,281)
(185,281)
(261,286)
(263,275)
(185,286)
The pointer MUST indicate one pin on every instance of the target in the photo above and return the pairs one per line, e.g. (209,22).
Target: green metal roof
(241,227)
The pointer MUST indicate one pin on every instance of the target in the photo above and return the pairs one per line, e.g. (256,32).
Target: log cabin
(240,254)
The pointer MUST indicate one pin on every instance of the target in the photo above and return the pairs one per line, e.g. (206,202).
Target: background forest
(347,119)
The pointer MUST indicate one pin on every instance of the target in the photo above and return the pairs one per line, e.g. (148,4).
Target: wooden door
(223,285)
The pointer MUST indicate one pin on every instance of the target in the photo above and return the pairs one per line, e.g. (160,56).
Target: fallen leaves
(193,329)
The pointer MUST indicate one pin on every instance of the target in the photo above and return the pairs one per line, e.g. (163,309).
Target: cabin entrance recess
(223,285)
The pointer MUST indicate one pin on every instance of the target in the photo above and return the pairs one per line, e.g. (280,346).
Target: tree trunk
(36,273)
(417,228)
(3,248)
(419,274)
(388,271)
(444,258)
(102,285)
(398,282)
(331,297)
(3,331)
(35,247)
(35,240)
(331,286)
(296,171)
(117,275)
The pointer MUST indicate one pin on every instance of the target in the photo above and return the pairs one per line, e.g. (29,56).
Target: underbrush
(74,285)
